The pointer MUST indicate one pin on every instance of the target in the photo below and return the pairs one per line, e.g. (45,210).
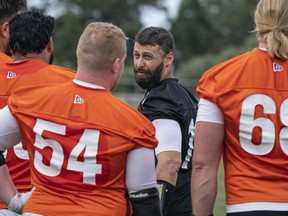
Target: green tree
(208,26)
(74,15)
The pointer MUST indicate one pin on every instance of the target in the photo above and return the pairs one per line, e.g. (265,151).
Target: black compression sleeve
(146,202)
(2,159)
(166,191)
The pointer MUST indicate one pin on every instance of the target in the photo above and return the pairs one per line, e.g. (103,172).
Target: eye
(136,55)
(148,57)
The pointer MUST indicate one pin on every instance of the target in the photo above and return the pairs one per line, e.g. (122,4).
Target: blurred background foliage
(206,32)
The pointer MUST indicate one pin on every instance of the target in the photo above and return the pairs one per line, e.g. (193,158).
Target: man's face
(148,65)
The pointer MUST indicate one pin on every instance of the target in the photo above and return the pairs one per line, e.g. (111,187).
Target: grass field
(219,207)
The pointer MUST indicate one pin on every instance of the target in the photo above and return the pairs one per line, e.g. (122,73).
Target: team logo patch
(11,75)
(277,67)
(78,100)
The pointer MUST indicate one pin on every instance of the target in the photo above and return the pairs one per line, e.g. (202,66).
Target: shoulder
(169,100)
(61,70)
(227,74)
(22,96)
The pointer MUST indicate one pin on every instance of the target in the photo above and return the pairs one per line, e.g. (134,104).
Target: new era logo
(11,75)
(277,67)
(78,100)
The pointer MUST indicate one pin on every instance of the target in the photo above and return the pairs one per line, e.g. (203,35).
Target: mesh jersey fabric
(4,59)
(15,75)
(251,92)
(78,140)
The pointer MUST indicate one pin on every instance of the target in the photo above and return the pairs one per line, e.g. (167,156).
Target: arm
(208,144)
(7,187)
(141,182)
(9,136)
(168,151)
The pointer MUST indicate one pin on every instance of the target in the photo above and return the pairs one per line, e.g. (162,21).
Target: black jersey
(170,100)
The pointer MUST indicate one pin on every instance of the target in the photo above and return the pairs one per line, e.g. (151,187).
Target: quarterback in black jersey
(172,110)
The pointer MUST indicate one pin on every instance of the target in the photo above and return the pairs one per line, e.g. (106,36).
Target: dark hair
(30,32)
(8,8)
(156,36)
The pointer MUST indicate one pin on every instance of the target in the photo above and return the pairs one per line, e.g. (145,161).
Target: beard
(148,79)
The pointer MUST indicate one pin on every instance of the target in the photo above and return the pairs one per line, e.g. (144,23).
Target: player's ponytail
(271,20)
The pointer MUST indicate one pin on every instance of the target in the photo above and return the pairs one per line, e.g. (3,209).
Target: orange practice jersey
(78,139)
(4,59)
(13,76)
(251,91)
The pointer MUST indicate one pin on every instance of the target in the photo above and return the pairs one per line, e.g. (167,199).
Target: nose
(139,62)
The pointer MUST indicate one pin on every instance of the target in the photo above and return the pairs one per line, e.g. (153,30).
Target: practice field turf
(219,207)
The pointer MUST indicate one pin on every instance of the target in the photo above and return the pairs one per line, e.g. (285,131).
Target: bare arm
(7,188)
(168,152)
(168,165)
(208,146)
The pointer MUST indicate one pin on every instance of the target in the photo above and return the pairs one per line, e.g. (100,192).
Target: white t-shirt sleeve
(10,134)
(168,134)
(209,112)
(140,170)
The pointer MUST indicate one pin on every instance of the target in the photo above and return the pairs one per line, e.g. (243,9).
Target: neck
(19,58)
(167,74)
(90,77)
(262,45)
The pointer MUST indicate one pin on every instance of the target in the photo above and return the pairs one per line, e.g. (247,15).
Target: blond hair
(99,45)
(271,20)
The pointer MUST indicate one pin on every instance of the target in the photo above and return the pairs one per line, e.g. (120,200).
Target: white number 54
(87,143)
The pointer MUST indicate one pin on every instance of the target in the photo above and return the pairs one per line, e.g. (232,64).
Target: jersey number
(88,143)
(191,134)
(248,123)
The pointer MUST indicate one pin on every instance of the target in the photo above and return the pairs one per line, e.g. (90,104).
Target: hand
(19,200)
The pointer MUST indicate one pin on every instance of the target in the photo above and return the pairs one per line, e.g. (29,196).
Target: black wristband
(145,202)
(166,191)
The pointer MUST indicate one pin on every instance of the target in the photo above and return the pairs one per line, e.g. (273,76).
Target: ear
(169,58)
(4,31)
(50,46)
(116,66)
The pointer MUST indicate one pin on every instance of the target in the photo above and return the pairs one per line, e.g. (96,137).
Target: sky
(158,18)
(149,16)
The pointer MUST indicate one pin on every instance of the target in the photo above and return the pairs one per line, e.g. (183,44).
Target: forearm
(203,190)
(7,187)
(167,173)
(205,162)
(168,164)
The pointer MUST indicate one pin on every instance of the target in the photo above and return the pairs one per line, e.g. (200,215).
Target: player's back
(78,139)
(251,91)
(15,75)
(30,72)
